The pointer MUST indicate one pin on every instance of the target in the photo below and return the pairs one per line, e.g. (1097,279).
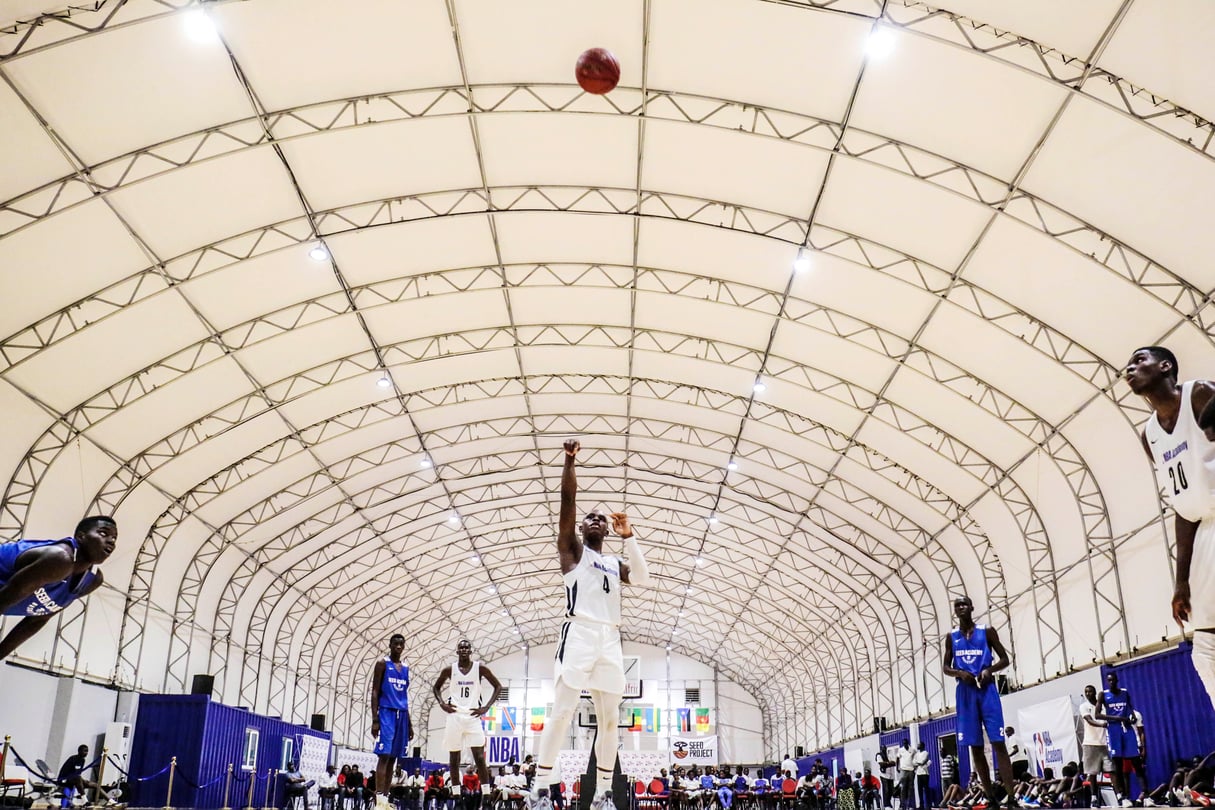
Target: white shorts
(1202,577)
(1203,658)
(464,731)
(589,657)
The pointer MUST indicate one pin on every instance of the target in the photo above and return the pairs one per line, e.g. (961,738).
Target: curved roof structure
(309,294)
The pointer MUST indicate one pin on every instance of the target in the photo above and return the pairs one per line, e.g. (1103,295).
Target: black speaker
(1002,685)
(318,722)
(203,685)
(879,725)
(799,752)
(417,752)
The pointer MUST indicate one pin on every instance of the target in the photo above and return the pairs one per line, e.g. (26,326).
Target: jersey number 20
(1177,478)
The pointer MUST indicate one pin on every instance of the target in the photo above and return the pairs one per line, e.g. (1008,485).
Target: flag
(702,720)
(636,724)
(489,718)
(537,718)
(683,719)
(653,720)
(508,718)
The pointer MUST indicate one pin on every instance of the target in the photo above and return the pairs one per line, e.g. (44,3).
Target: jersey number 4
(1177,478)
(607,585)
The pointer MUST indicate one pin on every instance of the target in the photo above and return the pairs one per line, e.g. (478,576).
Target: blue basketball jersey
(972,654)
(394,689)
(50,598)
(1118,705)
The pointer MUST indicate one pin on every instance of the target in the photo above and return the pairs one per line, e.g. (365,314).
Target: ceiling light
(668,647)
(385,381)
(732,466)
(713,519)
(318,253)
(425,462)
(454,517)
(759,387)
(689,590)
(199,26)
(700,561)
(476,558)
(880,43)
(802,263)
(492,589)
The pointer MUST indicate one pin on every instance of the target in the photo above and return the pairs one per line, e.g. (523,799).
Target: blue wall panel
(1177,715)
(930,732)
(206,737)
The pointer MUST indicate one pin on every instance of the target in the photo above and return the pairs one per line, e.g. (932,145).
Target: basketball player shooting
(588,651)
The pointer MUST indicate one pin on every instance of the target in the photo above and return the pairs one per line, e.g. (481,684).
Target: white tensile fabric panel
(531,41)
(247,492)
(1073,27)
(998,524)
(1005,363)
(71,254)
(332,399)
(66,489)
(171,406)
(136,86)
(837,356)
(729,324)
(1052,282)
(971,424)
(1097,162)
(721,165)
(1146,569)
(397,429)
(266,283)
(413,248)
(559,306)
(1180,30)
(913,455)
(565,237)
(582,360)
(437,315)
(1121,469)
(208,201)
(94,358)
(383,161)
(541,149)
(27,421)
(298,52)
(288,353)
(810,405)
(717,253)
(678,369)
(1052,494)
(940,98)
(41,161)
(900,212)
(189,468)
(864,294)
(782,56)
(455,369)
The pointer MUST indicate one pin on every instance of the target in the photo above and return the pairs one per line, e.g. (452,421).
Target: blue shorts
(1124,742)
(394,733)
(979,710)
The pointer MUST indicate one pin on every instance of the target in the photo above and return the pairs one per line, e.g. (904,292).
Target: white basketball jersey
(1185,461)
(466,686)
(592,589)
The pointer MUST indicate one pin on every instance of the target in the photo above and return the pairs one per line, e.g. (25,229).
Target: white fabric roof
(996,214)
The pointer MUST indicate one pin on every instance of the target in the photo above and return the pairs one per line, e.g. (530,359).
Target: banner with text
(694,750)
(1047,730)
(502,750)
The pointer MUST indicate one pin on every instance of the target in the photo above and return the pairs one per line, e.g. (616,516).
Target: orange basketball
(597,71)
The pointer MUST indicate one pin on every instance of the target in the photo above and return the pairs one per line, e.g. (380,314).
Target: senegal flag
(537,718)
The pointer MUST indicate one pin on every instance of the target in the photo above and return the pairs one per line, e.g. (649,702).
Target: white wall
(48,716)
(737,718)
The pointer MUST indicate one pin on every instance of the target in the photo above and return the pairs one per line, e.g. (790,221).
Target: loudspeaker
(1002,684)
(203,685)
(879,725)
(417,752)
(318,722)
(799,752)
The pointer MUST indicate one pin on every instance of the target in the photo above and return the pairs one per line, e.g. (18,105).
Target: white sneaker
(602,800)
(1127,803)
(1147,802)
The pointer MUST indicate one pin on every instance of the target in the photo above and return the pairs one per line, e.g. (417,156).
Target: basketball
(597,71)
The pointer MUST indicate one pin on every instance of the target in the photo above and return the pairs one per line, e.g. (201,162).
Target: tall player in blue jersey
(589,655)
(39,578)
(973,654)
(390,716)
(1114,707)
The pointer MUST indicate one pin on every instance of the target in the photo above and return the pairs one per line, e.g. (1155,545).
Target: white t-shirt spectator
(1021,754)
(788,767)
(906,759)
(921,763)
(1093,734)
(327,781)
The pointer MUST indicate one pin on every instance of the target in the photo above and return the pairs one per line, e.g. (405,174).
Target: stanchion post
(8,743)
(252,782)
(227,784)
(169,793)
(101,773)
(271,784)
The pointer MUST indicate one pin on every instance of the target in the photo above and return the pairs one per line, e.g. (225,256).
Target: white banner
(1048,732)
(694,750)
(502,750)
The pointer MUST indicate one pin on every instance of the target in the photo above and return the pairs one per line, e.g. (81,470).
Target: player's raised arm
(569,548)
(636,571)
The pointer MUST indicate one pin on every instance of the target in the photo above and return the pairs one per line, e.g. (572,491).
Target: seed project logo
(681,749)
